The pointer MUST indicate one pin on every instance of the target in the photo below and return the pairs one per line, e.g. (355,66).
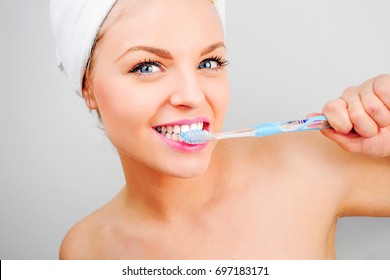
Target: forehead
(162,17)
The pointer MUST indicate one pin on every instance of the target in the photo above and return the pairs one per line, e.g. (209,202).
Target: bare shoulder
(350,183)
(80,241)
(305,162)
(75,242)
(360,183)
(87,238)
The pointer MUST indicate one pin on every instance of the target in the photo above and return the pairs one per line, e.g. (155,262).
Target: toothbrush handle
(313,123)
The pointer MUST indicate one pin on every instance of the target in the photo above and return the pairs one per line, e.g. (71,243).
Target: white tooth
(200,125)
(176,129)
(175,137)
(168,135)
(169,129)
(194,126)
(185,128)
(163,129)
(180,139)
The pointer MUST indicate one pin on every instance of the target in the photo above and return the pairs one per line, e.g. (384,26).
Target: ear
(89,98)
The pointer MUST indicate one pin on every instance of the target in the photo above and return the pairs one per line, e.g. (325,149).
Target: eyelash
(144,63)
(218,59)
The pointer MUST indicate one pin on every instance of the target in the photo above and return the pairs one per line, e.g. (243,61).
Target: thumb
(313,115)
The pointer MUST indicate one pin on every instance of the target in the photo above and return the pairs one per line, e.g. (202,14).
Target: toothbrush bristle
(196,136)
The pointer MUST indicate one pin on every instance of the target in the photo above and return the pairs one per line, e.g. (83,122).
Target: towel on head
(75,24)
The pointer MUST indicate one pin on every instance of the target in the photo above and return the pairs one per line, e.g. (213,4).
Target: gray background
(287,59)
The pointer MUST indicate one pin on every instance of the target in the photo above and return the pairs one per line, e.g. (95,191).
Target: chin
(188,169)
(189,173)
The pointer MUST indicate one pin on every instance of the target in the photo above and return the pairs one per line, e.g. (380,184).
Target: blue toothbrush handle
(313,123)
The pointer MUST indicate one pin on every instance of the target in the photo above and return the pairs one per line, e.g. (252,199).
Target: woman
(158,68)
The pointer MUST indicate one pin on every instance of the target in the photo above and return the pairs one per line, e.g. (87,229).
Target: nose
(187,91)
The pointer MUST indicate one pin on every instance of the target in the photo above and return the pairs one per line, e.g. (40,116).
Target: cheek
(123,107)
(219,100)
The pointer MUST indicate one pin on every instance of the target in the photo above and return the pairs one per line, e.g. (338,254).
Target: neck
(164,197)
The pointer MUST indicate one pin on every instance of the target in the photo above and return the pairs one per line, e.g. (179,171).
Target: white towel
(75,24)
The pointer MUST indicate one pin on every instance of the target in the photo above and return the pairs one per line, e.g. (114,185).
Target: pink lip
(182,146)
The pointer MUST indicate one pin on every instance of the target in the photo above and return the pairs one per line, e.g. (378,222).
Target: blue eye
(208,64)
(146,68)
(212,63)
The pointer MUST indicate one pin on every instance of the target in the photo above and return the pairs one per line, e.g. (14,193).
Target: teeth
(185,128)
(173,132)
(176,129)
(175,137)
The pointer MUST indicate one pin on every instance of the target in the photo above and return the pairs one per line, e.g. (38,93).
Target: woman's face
(160,67)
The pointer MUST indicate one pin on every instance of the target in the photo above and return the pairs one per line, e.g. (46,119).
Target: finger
(349,142)
(313,115)
(382,89)
(337,114)
(374,107)
(363,124)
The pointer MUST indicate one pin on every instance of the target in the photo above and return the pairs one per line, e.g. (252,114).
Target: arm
(361,124)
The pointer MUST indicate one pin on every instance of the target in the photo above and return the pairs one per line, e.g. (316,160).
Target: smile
(172,131)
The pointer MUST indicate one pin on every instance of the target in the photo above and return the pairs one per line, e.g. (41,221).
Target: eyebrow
(159,52)
(165,53)
(212,48)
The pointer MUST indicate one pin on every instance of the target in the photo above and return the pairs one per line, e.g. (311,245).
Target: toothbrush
(199,136)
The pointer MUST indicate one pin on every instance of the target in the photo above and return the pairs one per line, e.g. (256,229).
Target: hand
(360,118)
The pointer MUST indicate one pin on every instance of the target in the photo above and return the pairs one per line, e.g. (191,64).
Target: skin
(276,197)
